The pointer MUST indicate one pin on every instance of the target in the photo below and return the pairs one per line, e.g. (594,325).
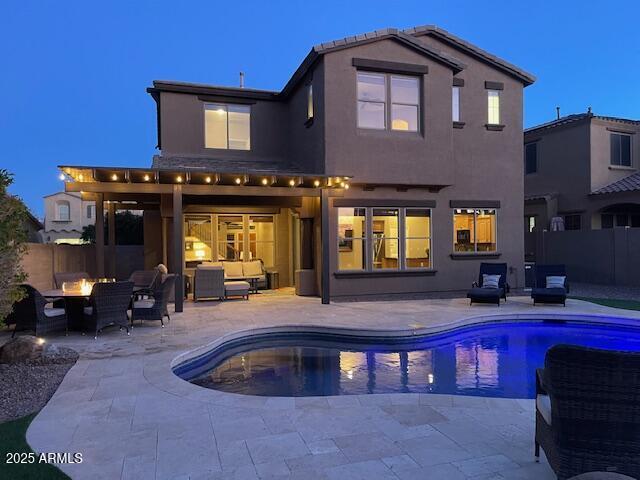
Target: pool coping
(448,326)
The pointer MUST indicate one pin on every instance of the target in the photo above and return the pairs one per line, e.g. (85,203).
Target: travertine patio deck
(123,408)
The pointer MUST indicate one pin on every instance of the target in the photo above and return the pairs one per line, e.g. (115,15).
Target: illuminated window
(310,102)
(378,238)
(198,239)
(493,104)
(417,229)
(351,239)
(455,104)
(227,126)
(63,211)
(401,93)
(230,237)
(474,230)
(530,223)
(262,239)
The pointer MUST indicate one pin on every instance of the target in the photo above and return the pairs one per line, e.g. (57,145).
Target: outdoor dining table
(74,301)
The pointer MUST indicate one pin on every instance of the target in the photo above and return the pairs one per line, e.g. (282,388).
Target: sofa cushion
(543,404)
(209,267)
(555,281)
(490,281)
(236,286)
(146,303)
(252,269)
(210,264)
(233,269)
(53,312)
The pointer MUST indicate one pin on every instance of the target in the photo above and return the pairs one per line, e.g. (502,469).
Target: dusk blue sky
(73,73)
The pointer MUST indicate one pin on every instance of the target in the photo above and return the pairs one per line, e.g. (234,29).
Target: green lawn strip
(613,302)
(13,438)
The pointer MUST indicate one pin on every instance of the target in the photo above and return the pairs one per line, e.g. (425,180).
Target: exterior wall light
(61,177)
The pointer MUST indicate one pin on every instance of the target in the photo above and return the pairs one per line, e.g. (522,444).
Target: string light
(179,179)
(238,181)
(114,177)
(146,177)
(208,179)
(316,183)
(265,181)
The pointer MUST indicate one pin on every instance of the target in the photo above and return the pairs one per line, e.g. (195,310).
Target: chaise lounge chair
(588,411)
(483,291)
(550,290)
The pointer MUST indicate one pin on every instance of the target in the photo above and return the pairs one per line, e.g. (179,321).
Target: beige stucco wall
(54,228)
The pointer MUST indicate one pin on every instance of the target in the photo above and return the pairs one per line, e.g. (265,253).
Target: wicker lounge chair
(208,282)
(31,314)
(481,294)
(109,303)
(588,411)
(540,293)
(154,307)
(60,278)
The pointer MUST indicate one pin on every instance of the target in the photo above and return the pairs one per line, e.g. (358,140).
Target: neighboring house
(34,228)
(582,168)
(66,214)
(390,163)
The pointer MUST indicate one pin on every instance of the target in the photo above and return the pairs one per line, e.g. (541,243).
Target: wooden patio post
(99,235)
(178,246)
(111,219)
(326,260)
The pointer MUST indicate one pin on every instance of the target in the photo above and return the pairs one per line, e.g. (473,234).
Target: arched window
(63,211)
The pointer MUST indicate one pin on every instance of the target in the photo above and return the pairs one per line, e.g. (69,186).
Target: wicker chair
(60,278)
(109,303)
(588,411)
(155,307)
(479,294)
(31,314)
(208,283)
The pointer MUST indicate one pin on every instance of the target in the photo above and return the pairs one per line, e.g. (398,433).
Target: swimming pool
(494,360)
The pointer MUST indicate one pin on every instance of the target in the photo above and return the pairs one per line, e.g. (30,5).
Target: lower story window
(572,222)
(379,238)
(474,230)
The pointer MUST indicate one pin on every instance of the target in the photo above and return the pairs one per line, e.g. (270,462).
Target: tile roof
(626,184)
(471,49)
(222,165)
(576,117)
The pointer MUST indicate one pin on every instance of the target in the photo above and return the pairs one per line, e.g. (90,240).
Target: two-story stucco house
(390,163)
(582,168)
(66,214)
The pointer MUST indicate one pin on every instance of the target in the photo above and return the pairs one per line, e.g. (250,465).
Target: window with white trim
(63,211)
(381,238)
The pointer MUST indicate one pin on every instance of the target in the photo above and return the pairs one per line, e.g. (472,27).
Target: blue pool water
(496,360)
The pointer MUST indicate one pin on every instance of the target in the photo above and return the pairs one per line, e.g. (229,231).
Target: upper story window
(63,211)
(310,102)
(531,158)
(493,107)
(91,211)
(620,149)
(227,126)
(455,104)
(388,102)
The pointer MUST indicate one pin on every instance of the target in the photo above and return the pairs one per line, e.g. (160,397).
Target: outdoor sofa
(543,290)
(234,271)
(588,411)
(32,314)
(484,292)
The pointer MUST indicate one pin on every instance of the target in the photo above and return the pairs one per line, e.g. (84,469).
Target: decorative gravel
(26,387)
(618,292)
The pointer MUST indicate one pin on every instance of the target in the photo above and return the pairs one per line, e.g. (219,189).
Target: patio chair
(482,292)
(108,305)
(542,292)
(61,277)
(208,282)
(32,314)
(144,282)
(588,411)
(154,307)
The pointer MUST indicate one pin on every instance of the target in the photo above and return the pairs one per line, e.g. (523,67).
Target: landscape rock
(21,349)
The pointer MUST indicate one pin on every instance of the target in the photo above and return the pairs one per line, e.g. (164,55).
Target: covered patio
(192,216)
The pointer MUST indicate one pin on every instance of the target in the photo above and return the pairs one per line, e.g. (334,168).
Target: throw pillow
(555,281)
(490,281)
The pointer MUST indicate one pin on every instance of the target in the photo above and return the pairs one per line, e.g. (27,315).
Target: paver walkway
(123,408)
